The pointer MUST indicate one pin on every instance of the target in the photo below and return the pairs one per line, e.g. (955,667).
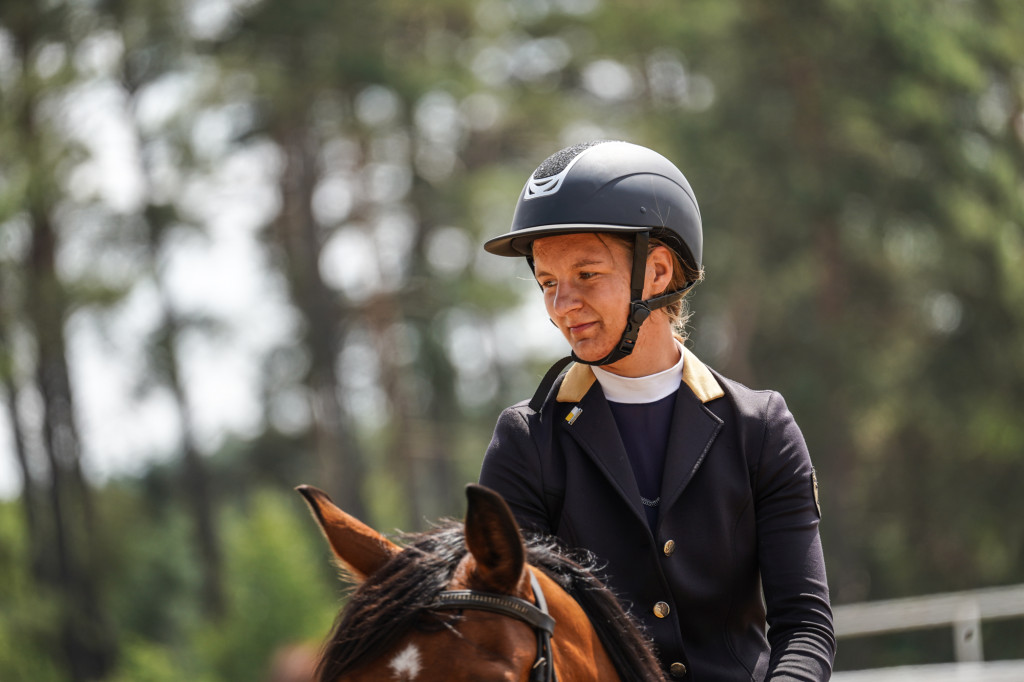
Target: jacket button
(677,670)
(661,609)
(669,547)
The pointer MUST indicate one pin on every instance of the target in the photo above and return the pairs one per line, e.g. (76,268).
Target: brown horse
(473,603)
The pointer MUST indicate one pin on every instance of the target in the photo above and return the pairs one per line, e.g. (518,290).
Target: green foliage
(278,589)
(145,661)
(152,573)
(28,636)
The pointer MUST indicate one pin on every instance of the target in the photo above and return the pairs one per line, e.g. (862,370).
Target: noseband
(536,617)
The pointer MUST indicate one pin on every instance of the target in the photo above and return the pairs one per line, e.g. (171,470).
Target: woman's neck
(655,351)
(646,389)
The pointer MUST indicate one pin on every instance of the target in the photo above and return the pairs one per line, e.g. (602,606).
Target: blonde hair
(682,272)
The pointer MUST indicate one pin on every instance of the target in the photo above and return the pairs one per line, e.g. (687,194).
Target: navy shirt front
(644,429)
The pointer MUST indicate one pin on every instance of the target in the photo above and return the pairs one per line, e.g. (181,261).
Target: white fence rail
(962,611)
(990,671)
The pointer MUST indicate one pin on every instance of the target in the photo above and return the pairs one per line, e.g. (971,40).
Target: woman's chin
(589,352)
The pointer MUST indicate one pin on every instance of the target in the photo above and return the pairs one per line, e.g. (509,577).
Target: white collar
(648,389)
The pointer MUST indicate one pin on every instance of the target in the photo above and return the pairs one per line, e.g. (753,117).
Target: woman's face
(585,280)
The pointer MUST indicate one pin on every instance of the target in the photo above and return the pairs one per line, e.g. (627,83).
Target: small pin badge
(573,414)
(814,482)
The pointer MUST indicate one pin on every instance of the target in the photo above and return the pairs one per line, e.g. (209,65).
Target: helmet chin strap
(639,311)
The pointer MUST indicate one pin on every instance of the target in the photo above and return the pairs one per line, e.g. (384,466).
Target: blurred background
(240,251)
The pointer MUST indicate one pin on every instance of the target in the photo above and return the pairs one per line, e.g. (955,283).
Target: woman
(696,491)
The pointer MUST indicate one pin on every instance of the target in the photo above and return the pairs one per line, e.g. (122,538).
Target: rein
(537,617)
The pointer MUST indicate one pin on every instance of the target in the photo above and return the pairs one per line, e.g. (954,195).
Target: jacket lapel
(693,431)
(594,430)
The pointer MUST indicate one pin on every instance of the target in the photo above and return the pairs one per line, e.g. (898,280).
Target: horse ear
(360,549)
(493,539)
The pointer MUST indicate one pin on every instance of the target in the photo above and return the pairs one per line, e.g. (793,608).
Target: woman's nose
(564,299)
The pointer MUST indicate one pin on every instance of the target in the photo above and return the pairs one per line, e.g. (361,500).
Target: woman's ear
(659,271)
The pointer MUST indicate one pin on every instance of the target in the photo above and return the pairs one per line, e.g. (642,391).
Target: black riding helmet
(607,186)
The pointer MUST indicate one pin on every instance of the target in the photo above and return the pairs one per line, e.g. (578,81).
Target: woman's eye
(587,275)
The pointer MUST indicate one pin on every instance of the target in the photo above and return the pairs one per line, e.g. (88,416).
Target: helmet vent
(557,162)
(547,179)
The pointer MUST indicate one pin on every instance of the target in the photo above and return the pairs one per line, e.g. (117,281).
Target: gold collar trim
(696,376)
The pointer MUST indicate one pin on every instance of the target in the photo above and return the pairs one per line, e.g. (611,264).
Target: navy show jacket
(738,518)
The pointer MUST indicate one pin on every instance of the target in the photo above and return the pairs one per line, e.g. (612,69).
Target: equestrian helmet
(605,186)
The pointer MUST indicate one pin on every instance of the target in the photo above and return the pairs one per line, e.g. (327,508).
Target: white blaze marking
(406,665)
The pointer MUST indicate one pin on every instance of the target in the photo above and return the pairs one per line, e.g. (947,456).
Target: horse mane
(399,597)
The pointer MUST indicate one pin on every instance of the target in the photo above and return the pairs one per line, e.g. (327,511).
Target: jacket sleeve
(800,628)
(512,467)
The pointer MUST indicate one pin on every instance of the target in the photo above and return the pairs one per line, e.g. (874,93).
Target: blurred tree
(303,58)
(63,532)
(155,46)
(363,105)
(12,397)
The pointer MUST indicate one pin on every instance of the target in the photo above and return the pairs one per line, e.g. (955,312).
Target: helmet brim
(520,242)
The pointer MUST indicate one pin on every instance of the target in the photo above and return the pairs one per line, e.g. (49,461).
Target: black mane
(400,595)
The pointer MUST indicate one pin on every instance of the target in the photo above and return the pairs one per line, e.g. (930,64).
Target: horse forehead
(463,578)
(479,646)
(407,664)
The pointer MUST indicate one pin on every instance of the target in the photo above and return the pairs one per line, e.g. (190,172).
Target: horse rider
(697,492)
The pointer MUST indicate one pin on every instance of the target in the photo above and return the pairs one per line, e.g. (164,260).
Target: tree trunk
(337,452)
(30,492)
(194,475)
(86,634)
(194,479)
(405,446)
(65,535)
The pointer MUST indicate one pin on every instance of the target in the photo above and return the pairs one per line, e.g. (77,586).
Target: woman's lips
(576,329)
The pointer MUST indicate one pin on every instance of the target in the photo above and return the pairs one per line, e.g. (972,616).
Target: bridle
(537,617)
